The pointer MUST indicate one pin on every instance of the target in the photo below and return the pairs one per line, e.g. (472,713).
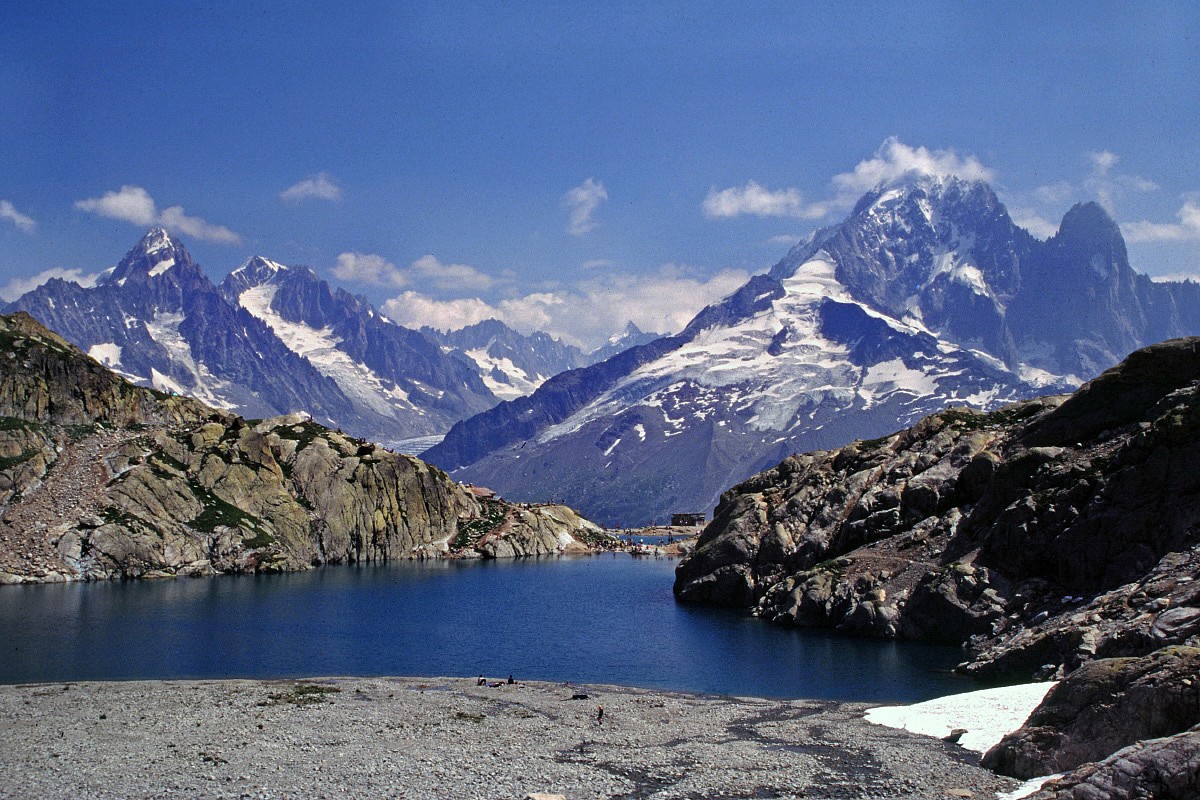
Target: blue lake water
(600,619)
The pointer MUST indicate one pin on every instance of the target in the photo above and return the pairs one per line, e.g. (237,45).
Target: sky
(571,166)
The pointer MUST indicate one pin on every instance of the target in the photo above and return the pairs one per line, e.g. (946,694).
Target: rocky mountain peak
(154,255)
(1089,225)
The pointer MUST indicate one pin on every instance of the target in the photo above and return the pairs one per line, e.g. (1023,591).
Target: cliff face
(1043,534)
(102,479)
(1052,538)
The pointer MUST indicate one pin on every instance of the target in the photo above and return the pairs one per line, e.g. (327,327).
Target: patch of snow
(1041,377)
(357,381)
(641,431)
(164,329)
(1028,787)
(612,446)
(162,266)
(107,353)
(164,383)
(520,383)
(894,375)
(987,715)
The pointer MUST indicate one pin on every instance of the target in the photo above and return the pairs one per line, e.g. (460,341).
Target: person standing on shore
(600,715)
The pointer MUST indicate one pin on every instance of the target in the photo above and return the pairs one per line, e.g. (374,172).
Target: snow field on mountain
(164,329)
(357,381)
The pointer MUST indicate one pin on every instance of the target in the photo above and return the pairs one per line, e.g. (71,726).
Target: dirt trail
(73,487)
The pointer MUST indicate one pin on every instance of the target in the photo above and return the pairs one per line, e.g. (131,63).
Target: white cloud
(19,286)
(9,212)
(429,270)
(787,239)
(369,269)
(583,201)
(134,204)
(1186,230)
(586,315)
(129,204)
(894,159)
(1103,161)
(374,270)
(174,219)
(315,187)
(1107,185)
(761,202)
(1032,221)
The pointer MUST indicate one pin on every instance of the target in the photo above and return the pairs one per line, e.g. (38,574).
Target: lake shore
(447,737)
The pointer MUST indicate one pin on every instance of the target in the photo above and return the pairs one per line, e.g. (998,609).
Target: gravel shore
(448,738)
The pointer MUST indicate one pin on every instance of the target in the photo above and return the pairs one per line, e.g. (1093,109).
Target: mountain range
(272,339)
(928,295)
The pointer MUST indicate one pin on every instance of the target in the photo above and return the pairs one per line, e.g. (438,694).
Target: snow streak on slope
(358,382)
(519,384)
(207,388)
(776,369)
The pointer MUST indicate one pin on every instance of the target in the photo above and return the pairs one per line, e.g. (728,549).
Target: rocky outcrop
(1163,769)
(1043,535)
(1101,707)
(101,479)
(1057,537)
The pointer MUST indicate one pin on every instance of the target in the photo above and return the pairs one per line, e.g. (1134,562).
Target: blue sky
(570,165)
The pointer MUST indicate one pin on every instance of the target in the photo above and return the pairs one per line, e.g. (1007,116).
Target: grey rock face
(1101,707)
(1163,769)
(104,480)
(1015,530)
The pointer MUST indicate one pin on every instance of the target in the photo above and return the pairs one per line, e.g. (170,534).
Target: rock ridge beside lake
(1055,537)
(102,479)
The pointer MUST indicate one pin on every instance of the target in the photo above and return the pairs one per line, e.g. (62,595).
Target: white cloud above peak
(583,201)
(23,222)
(315,187)
(426,271)
(894,160)
(135,205)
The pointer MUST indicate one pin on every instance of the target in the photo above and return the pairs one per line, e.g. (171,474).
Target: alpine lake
(592,619)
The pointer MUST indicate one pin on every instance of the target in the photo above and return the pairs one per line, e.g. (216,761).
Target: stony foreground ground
(448,738)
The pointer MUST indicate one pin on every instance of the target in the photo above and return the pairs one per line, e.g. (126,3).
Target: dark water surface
(601,619)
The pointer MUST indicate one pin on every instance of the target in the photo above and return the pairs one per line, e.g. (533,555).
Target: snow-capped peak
(155,240)
(260,266)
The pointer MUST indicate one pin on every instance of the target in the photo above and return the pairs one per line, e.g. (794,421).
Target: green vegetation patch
(162,464)
(964,419)
(8,462)
(260,539)
(17,424)
(472,531)
(77,433)
(303,433)
(302,694)
(117,516)
(218,512)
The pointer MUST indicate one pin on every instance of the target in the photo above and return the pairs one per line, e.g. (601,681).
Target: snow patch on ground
(108,353)
(987,715)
